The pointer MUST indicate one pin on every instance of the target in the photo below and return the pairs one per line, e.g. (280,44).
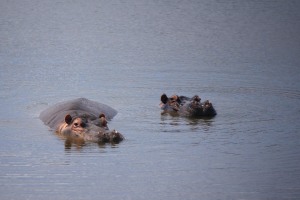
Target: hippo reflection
(191,107)
(82,119)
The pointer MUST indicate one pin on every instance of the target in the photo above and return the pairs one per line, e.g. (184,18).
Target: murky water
(243,56)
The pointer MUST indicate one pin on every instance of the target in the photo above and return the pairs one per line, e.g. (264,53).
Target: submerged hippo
(191,107)
(82,119)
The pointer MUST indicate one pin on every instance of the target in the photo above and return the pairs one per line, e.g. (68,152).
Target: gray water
(244,56)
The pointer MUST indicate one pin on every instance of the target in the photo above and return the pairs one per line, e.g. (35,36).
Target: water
(242,55)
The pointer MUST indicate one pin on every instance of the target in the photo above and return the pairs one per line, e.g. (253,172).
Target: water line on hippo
(82,119)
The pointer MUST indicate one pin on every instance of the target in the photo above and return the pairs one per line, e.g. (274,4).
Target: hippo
(186,106)
(82,119)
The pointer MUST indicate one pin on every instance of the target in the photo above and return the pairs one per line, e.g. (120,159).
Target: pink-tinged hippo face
(89,129)
(82,119)
(77,126)
(80,125)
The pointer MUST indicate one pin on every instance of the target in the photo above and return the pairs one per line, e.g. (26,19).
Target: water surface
(241,55)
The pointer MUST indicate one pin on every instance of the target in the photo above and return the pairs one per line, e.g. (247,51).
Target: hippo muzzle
(89,129)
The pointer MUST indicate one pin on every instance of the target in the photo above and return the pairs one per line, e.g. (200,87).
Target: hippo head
(78,120)
(89,128)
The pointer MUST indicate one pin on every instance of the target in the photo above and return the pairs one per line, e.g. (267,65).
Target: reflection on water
(193,123)
(79,143)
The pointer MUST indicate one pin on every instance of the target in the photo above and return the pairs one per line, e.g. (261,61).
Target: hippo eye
(75,124)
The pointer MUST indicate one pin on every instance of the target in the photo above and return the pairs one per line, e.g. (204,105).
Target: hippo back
(55,114)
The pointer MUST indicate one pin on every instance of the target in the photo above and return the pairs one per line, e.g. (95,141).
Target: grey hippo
(82,119)
(186,106)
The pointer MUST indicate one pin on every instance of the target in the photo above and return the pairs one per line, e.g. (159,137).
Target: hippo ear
(101,115)
(103,120)
(68,119)
(164,98)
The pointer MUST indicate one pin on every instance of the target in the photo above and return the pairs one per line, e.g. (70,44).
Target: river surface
(244,56)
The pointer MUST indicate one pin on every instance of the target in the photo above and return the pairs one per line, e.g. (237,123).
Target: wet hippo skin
(82,119)
(186,106)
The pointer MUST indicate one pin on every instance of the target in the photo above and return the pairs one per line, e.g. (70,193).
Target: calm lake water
(244,56)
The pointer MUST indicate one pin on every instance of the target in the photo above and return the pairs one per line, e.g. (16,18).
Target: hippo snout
(110,136)
(116,137)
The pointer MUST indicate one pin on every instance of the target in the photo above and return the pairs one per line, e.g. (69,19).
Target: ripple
(256,90)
